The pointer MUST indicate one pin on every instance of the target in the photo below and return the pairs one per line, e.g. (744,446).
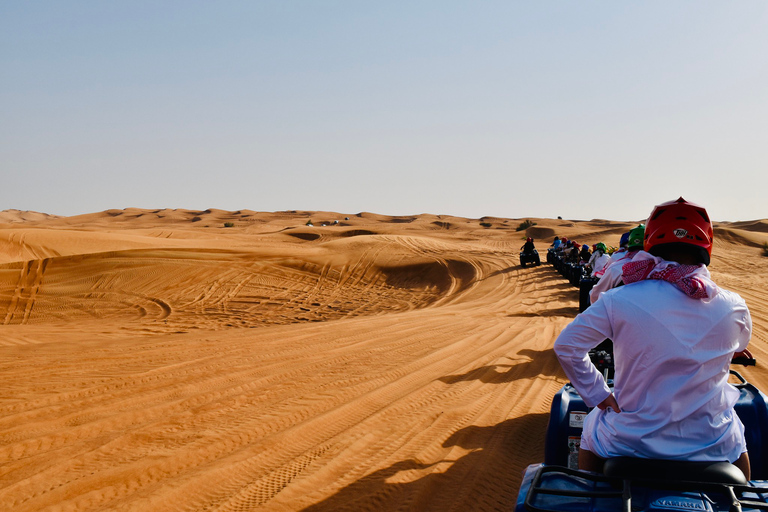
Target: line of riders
(648,358)
(597,270)
(592,270)
(602,269)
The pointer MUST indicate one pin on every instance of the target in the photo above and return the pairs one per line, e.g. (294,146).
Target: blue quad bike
(639,485)
(531,257)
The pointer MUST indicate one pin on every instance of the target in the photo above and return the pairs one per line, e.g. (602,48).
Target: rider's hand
(744,353)
(611,402)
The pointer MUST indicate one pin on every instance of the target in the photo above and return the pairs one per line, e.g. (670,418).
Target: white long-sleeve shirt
(598,260)
(611,275)
(671,355)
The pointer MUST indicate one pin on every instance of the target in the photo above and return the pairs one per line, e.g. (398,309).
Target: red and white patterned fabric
(693,280)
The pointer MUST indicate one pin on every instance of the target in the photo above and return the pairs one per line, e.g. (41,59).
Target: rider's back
(671,356)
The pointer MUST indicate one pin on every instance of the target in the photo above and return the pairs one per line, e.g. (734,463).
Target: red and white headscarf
(694,280)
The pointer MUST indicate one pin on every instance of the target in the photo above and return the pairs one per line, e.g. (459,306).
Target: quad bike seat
(674,471)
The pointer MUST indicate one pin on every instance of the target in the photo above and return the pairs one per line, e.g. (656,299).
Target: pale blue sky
(580,109)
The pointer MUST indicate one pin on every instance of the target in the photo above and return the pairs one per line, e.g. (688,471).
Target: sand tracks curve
(387,364)
(194,288)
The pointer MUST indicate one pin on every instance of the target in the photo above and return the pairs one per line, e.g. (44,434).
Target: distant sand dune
(760,226)
(157,360)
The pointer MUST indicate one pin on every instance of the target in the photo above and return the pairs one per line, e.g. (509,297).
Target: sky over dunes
(514,109)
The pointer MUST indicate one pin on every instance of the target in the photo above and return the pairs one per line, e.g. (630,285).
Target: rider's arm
(745,322)
(609,403)
(587,331)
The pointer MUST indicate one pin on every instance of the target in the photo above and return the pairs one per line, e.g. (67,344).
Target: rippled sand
(156,360)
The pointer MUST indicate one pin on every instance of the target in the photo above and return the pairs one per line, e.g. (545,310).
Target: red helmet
(529,239)
(679,222)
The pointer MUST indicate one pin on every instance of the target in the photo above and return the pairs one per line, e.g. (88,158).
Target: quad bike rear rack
(596,492)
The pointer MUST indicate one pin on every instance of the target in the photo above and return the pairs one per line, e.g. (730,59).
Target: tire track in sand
(23,299)
(355,414)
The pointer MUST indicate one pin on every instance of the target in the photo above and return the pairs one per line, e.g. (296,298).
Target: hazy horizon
(582,110)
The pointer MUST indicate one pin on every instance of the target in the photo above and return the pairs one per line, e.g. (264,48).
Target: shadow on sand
(535,363)
(537,270)
(485,479)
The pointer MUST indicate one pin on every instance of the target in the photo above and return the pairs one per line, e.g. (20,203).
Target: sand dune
(212,360)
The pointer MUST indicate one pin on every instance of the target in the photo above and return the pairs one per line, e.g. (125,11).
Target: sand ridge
(235,361)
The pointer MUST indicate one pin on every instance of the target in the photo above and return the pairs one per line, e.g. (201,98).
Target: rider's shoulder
(730,297)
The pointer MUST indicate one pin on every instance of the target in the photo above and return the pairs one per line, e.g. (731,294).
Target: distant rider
(584,254)
(621,251)
(611,273)
(572,253)
(599,258)
(674,334)
(528,246)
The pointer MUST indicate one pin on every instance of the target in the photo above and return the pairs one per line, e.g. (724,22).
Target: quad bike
(561,264)
(576,273)
(585,286)
(530,257)
(558,261)
(630,484)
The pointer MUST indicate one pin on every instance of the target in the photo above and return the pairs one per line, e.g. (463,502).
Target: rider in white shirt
(611,272)
(599,258)
(674,334)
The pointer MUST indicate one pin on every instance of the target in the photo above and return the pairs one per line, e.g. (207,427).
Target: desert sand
(156,360)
